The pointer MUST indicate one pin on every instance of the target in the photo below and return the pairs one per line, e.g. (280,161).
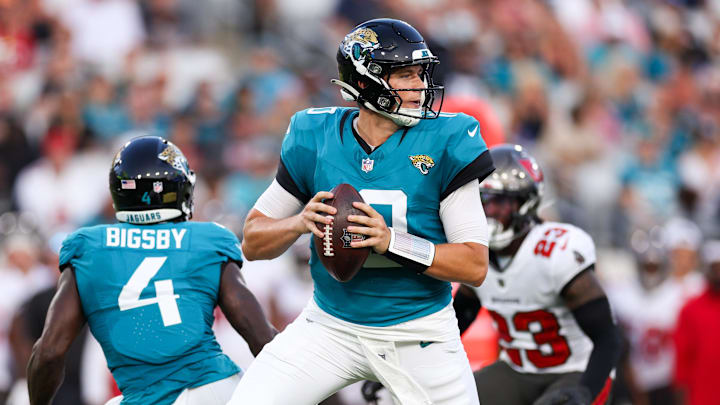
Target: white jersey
(538,333)
(648,318)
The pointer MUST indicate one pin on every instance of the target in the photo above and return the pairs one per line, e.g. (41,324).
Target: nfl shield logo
(367,165)
(158,187)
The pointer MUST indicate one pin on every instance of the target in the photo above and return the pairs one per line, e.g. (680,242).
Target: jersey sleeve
(577,255)
(466,155)
(227,244)
(297,158)
(72,248)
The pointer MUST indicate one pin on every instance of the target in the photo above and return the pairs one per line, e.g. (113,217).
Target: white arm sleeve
(276,202)
(463,216)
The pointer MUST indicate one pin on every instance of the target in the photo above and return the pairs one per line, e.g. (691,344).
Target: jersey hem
(435,307)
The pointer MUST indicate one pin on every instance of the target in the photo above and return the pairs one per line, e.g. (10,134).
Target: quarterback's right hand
(316,211)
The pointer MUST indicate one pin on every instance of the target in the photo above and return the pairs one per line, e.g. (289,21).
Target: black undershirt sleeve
(479,168)
(286,181)
(595,320)
(466,310)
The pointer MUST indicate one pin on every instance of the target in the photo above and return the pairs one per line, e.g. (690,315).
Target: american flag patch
(127,184)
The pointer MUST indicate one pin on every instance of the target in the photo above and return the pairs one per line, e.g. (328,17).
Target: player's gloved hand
(573,395)
(370,389)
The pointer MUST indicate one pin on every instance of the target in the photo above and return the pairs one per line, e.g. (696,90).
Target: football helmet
(652,267)
(651,256)
(150,182)
(518,183)
(370,52)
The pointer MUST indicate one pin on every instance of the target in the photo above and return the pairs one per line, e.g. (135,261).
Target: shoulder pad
(451,124)
(557,239)
(569,248)
(221,240)
(73,245)
(221,230)
(313,118)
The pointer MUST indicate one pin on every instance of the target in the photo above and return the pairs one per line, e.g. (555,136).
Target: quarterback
(558,340)
(147,287)
(418,171)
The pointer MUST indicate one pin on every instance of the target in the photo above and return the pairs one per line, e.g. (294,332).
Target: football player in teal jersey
(147,287)
(418,171)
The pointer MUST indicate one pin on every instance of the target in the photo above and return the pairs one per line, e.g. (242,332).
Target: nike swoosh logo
(425,344)
(473,132)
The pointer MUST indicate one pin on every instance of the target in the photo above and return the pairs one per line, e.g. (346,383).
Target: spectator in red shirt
(696,338)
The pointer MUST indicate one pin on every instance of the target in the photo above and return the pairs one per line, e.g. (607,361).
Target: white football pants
(215,393)
(318,355)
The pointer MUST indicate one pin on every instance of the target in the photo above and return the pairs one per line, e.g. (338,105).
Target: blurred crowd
(618,99)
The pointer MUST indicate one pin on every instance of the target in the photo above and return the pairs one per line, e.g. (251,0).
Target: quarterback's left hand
(375,228)
(573,395)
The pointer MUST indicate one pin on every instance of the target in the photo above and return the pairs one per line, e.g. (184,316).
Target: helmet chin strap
(401,120)
(349,93)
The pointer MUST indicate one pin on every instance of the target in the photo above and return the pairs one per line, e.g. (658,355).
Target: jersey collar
(363,144)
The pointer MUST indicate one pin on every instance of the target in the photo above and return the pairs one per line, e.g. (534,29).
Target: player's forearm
(259,334)
(268,238)
(466,263)
(243,310)
(45,373)
(595,320)
(252,325)
(466,305)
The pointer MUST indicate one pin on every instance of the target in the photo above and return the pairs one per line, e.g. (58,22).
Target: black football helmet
(370,52)
(517,176)
(150,182)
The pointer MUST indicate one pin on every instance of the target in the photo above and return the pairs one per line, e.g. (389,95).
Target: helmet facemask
(427,96)
(510,218)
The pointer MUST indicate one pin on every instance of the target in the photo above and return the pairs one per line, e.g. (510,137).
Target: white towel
(384,362)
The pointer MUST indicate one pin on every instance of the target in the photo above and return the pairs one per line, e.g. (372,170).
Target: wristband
(410,251)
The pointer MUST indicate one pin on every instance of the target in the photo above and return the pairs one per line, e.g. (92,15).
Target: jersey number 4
(165,296)
(547,335)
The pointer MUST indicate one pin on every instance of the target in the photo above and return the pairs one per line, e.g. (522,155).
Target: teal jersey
(404,179)
(148,293)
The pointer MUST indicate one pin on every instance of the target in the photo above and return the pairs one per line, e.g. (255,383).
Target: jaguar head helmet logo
(360,43)
(422,162)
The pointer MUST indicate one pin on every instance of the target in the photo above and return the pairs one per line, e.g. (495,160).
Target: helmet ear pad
(363,83)
(376,95)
